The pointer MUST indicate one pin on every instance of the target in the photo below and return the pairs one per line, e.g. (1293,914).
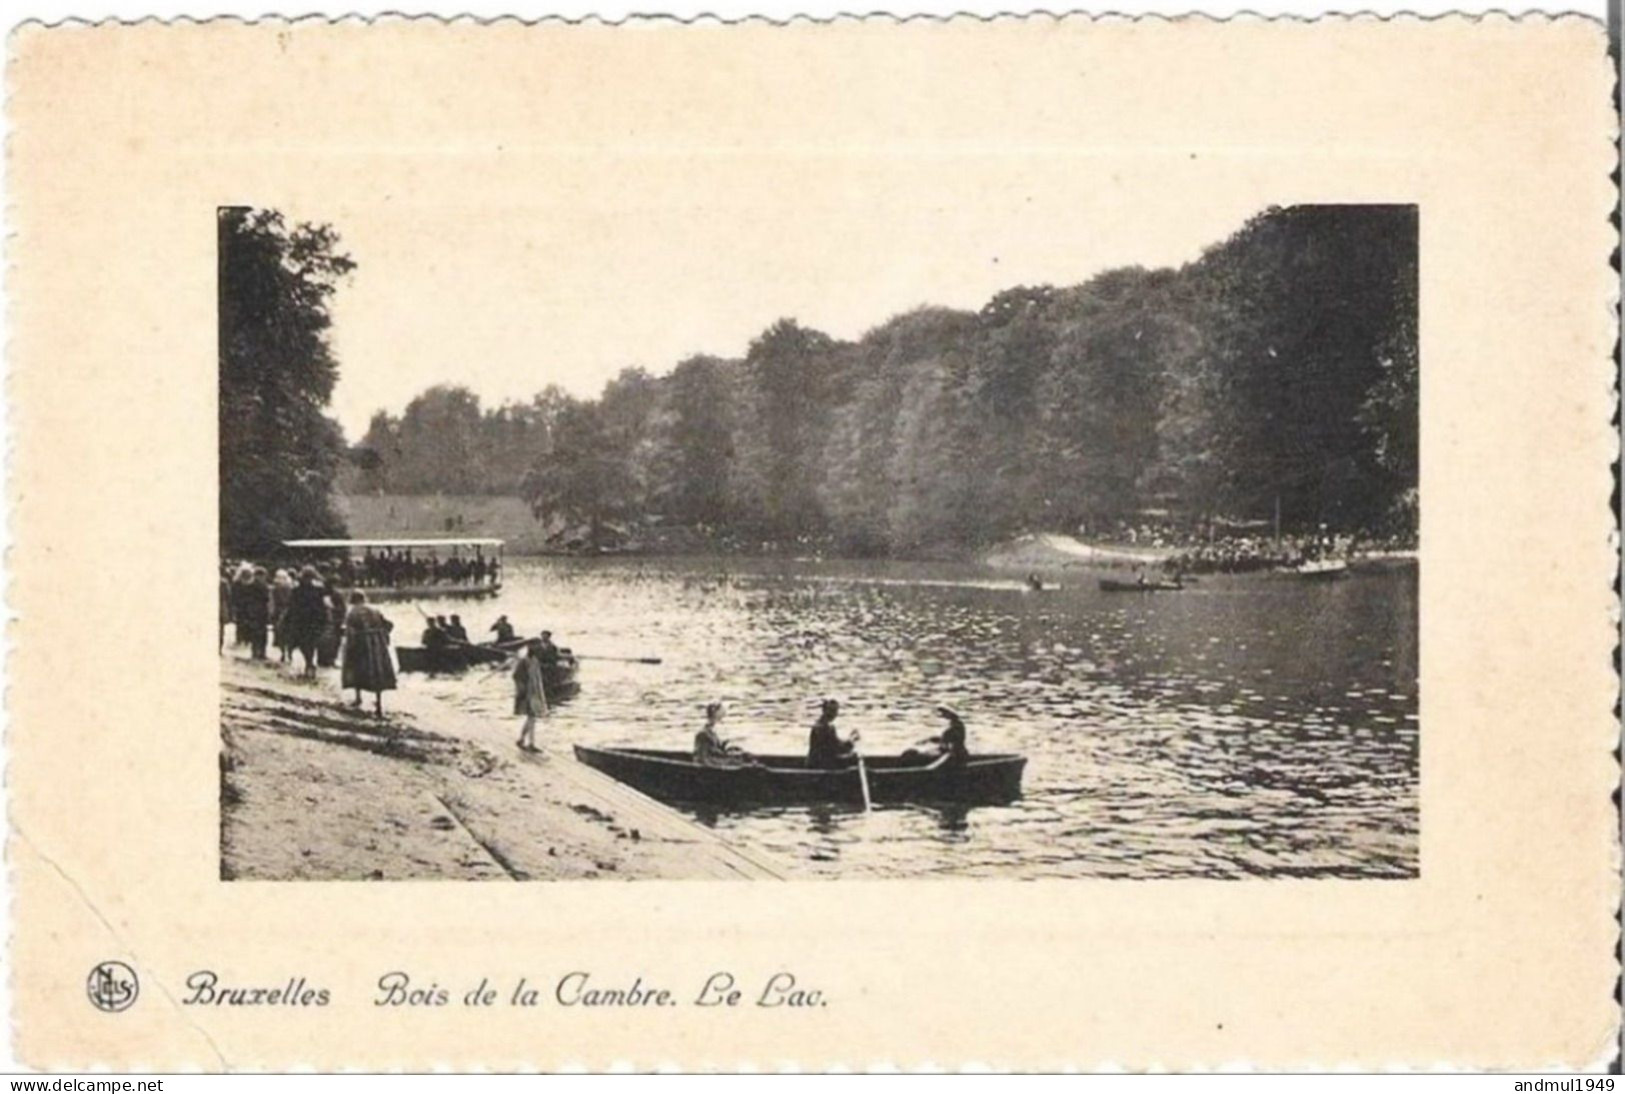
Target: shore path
(312,788)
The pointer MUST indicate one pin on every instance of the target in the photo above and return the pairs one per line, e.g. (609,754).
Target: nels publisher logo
(112,986)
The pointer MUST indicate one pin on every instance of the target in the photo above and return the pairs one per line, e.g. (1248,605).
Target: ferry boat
(373,561)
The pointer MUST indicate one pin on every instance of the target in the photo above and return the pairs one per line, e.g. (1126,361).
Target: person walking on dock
(529,692)
(367,662)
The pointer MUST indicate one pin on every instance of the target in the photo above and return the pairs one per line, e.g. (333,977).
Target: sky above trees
(636,263)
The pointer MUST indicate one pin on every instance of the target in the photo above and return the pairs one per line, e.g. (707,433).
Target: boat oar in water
(628,660)
(863,780)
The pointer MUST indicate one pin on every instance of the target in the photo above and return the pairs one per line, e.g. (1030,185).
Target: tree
(698,442)
(790,369)
(582,479)
(279,451)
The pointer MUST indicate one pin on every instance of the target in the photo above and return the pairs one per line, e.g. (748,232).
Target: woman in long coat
(305,617)
(281,593)
(226,614)
(368,665)
(253,609)
(327,647)
(529,693)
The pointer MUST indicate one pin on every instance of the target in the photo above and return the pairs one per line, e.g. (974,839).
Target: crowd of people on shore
(308,613)
(1250,554)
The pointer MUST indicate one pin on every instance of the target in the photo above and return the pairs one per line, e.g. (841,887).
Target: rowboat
(1108,585)
(1325,569)
(779,780)
(558,676)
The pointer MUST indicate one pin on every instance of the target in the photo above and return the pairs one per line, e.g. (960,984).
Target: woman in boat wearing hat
(946,749)
(711,749)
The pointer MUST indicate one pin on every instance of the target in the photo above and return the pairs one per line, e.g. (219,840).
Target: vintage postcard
(1034,543)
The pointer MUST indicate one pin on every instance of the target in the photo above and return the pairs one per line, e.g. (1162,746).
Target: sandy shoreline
(311,789)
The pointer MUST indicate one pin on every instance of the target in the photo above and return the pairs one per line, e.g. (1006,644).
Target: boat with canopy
(413,569)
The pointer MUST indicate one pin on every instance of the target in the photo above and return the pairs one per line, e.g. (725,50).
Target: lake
(1250,726)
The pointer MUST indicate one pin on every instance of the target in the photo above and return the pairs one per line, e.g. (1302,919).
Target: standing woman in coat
(305,617)
(281,592)
(253,608)
(327,648)
(368,665)
(529,693)
(226,596)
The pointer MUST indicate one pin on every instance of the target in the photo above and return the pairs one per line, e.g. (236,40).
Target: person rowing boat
(503,628)
(825,746)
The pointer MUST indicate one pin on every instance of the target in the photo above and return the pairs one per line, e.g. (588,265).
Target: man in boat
(529,693)
(367,663)
(711,750)
(825,746)
(457,631)
(503,629)
(434,635)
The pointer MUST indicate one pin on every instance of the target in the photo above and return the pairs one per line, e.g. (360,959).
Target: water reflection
(1246,727)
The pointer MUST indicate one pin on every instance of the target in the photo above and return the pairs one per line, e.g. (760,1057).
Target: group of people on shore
(826,748)
(309,614)
(1250,554)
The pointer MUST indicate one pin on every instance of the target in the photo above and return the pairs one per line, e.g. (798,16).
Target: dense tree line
(279,451)
(1279,369)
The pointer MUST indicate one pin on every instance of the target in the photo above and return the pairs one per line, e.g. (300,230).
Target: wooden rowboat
(557,677)
(1108,585)
(780,780)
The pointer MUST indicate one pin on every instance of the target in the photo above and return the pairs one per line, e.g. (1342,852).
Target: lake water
(1258,726)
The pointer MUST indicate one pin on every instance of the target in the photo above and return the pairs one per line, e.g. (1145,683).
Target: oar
(628,660)
(863,780)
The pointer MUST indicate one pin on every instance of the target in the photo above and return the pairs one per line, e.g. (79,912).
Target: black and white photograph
(546,556)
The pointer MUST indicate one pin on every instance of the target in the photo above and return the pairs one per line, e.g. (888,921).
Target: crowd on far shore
(1249,554)
(1246,550)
